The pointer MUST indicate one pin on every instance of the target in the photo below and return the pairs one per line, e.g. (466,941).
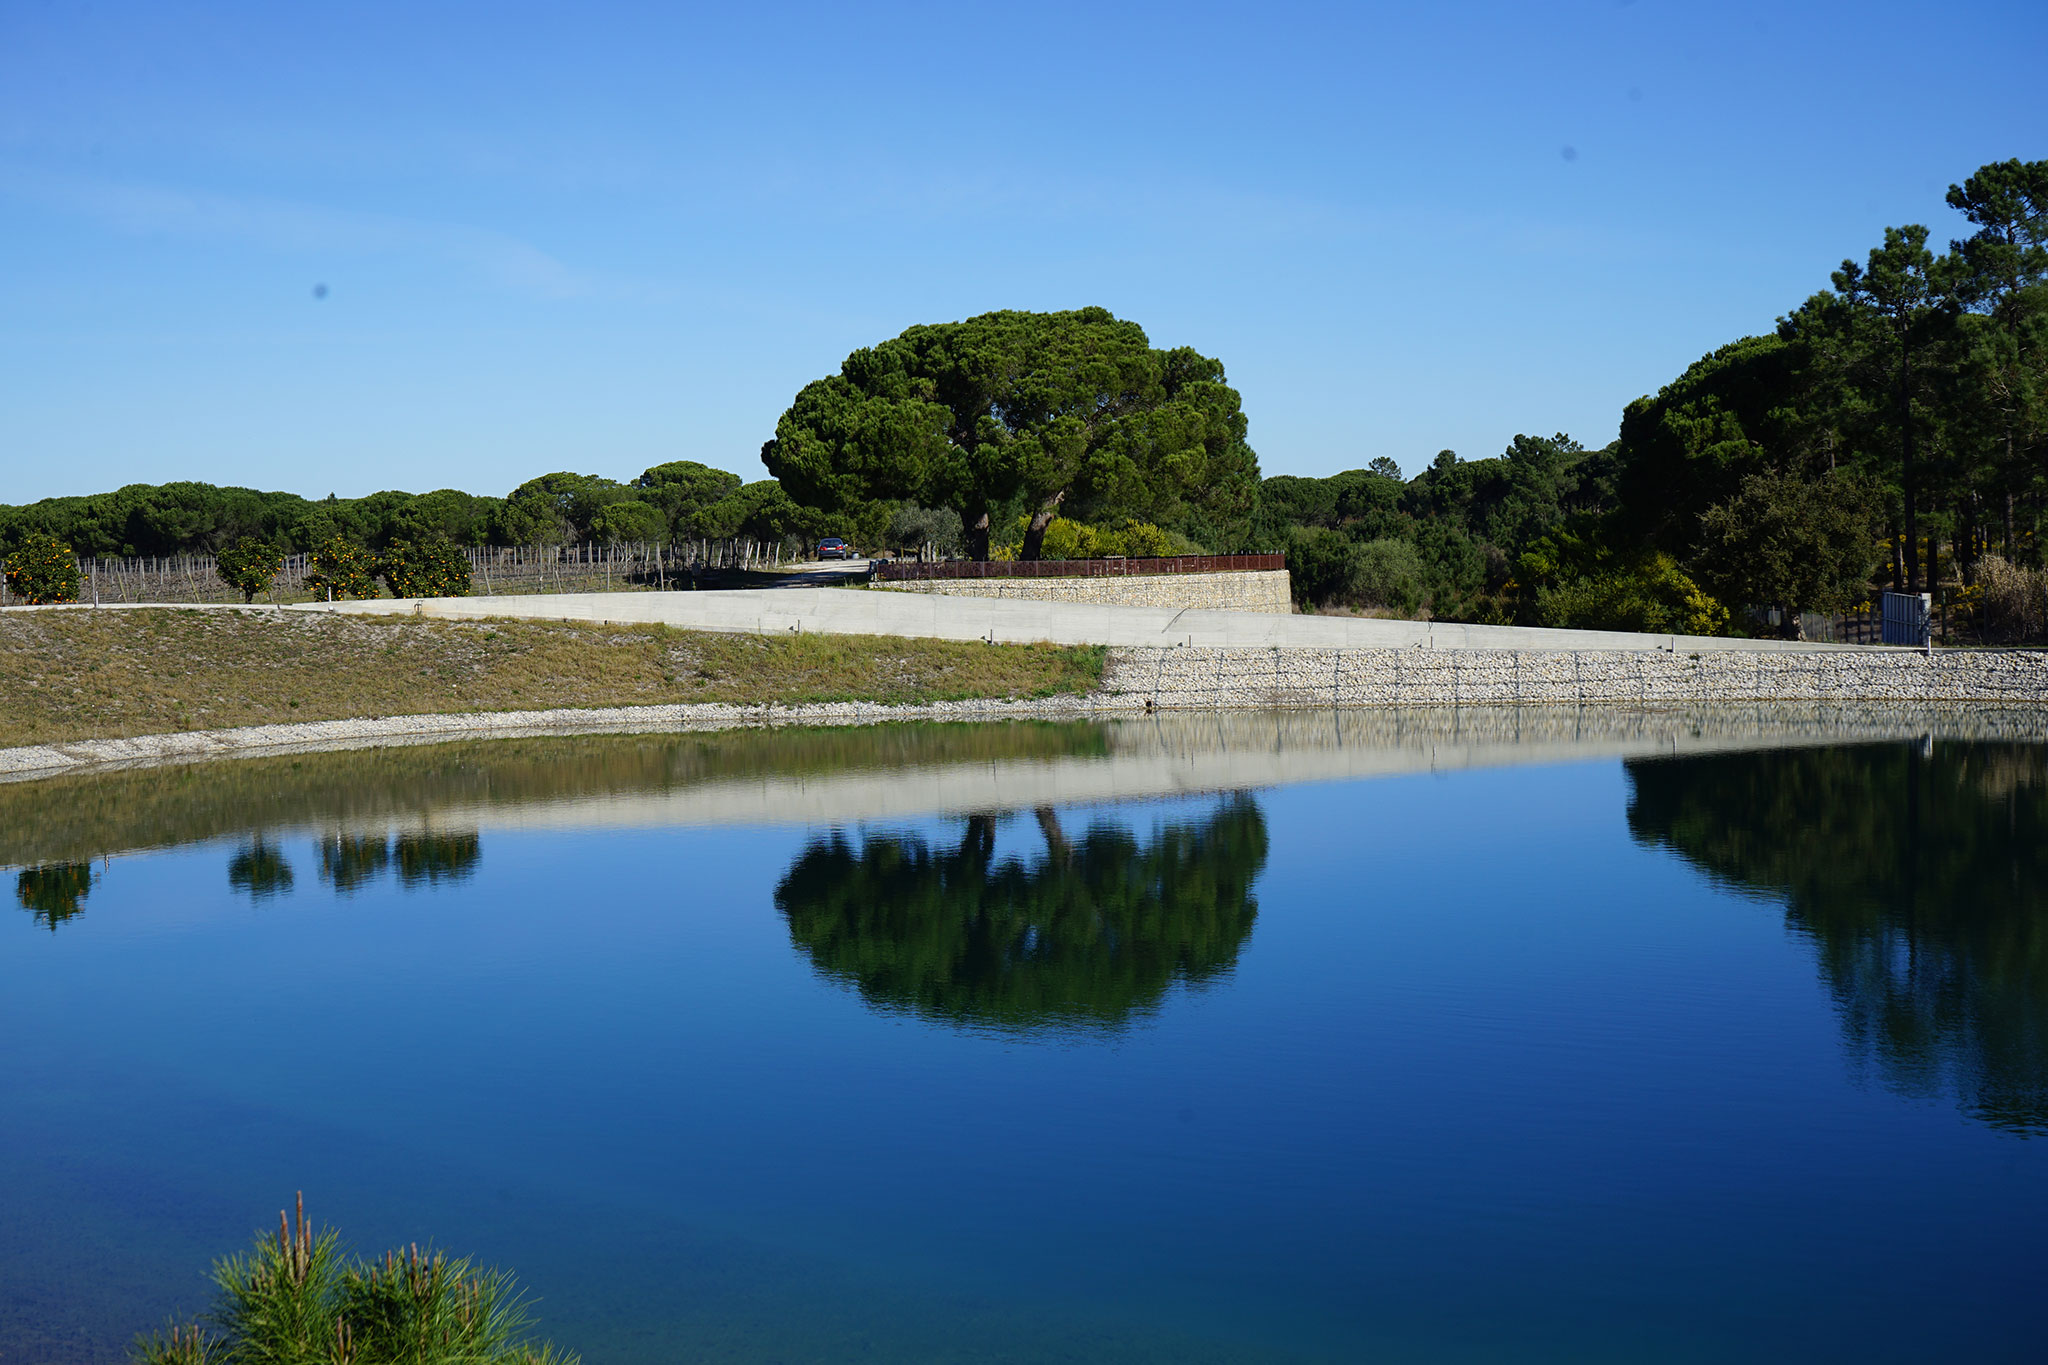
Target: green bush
(296,1299)
(341,569)
(1650,594)
(43,569)
(2013,599)
(913,527)
(1389,574)
(248,566)
(1065,539)
(425,568)
(1322,566)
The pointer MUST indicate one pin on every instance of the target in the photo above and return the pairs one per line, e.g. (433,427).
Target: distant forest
(1891,431)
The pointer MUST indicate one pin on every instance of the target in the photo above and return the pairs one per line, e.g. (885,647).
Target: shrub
(1389,574)
(1322,566)
(1651,594)
(341,569)
(425,568)
(1138,540)
(1065,539)
(43,569)
(2014,600)
(296,1299)
(938,527)
(248,566)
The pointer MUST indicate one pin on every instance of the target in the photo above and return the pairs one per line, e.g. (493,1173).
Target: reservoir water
(1547,1036)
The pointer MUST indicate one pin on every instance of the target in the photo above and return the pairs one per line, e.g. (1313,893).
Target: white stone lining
(1193,679)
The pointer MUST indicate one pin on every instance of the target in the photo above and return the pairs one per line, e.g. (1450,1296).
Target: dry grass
(91,675)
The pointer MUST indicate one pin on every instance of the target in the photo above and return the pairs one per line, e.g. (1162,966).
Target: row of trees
(42,568)
(678,500)
(1891,430)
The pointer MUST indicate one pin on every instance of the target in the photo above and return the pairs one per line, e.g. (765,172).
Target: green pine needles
(296,1299)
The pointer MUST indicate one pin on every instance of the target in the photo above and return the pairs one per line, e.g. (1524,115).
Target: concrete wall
(1239,590)
(932,616)
(1223,678)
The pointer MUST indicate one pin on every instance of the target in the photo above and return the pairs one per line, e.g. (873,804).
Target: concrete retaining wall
(1243,590)
(1223,678)
(933,616)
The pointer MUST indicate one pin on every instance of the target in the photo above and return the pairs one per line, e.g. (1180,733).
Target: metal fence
(1908,618)
(494,571)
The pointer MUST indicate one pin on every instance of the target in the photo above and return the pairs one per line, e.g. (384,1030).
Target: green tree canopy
(628,520)
(1732,414)
(248,566)
(1050,413)
(1796,544)
(1088,933)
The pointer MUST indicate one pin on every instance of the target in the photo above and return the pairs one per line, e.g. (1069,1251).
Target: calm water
(793,1048)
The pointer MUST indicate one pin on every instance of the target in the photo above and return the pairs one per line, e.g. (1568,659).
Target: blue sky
(598,237)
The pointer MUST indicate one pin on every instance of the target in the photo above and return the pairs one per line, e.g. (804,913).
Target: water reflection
(52,893)
(1920,875)
(349,862)
(259,871)
(1089,930)
(428,859)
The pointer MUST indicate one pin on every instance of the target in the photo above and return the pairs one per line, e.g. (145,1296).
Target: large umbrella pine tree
(1071,413)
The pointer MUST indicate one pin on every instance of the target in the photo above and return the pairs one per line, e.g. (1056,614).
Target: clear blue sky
(597,237)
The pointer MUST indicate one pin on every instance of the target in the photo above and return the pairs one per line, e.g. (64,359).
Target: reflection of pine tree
(434,857)
(260,870)
(348,861)
(1091,932)
(1920,877)
(52,894)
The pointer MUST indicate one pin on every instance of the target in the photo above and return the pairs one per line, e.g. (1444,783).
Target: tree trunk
(1906,462)
(1056,846)
(2008,471)
(977,538)
(1034,534)
(978,841)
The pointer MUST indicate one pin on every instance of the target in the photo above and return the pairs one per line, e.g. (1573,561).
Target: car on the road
(832,547)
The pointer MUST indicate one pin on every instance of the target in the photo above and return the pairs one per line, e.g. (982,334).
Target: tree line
(1891,431)
(678,500)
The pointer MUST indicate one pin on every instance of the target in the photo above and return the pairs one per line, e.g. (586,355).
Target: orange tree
(248,566)
(425,568)
(43,569)
(341,569)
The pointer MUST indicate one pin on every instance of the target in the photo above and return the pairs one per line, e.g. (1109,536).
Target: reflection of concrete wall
(1180,755)
(1131,757)
(1242,590)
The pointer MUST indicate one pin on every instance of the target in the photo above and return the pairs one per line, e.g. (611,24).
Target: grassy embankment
(94,675)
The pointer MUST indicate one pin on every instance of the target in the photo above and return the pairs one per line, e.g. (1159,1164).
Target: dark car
(832,547)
